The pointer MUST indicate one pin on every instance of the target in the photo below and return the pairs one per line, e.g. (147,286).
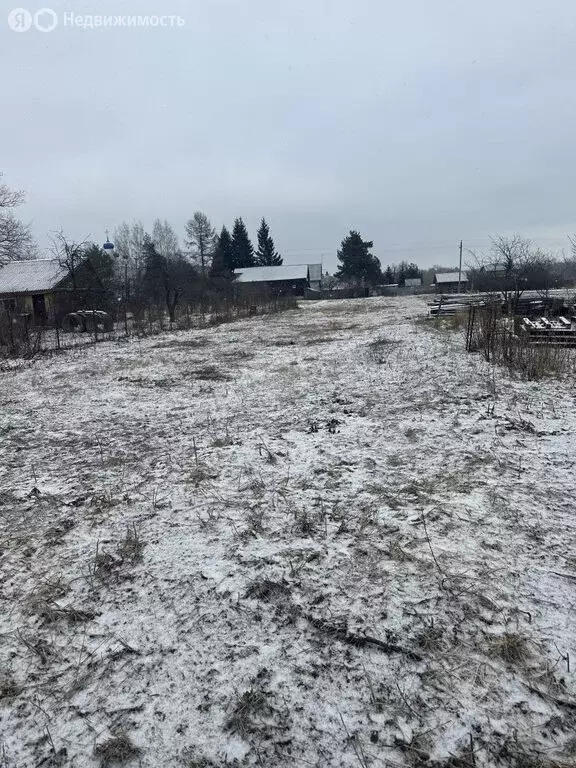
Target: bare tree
(69,254)
(513,266)
(572,239)
(129,244)
(200,241)
(165,239)
(16,241)
(129,248)
(567,267)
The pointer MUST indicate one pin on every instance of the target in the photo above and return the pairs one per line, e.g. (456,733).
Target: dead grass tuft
(431,638)
(396,552)
(181,344)
(210,373)
(117,750)
(131,547)
(305,523)
(238,354)
(201,473)
(268,591)
(50,613)
(320,340)
(192,759)
(255,520)
(411,434)
(252,709)
(511,647)
(416,751)
(224,442)
(380,349)
(9,689)
(47,592)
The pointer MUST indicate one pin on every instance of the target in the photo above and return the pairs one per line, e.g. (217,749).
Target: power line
(427,246)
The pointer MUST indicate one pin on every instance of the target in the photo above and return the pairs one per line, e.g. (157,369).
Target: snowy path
(276,543)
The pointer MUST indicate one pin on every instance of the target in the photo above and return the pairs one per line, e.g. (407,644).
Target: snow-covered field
(328,537)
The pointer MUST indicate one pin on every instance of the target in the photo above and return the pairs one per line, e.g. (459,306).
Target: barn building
(286,280)
(449,282)
(43,290)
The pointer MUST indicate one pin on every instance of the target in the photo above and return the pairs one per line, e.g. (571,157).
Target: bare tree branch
(69,253)
(16,241)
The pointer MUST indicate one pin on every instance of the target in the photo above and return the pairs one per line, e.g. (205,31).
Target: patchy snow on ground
(327,537)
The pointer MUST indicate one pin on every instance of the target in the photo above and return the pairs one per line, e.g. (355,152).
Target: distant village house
(43,290)
(286,280)
(450,282)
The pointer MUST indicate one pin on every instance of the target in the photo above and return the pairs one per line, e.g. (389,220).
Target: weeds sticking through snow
(131,547)
(9,689)
(511,647)
(117,750)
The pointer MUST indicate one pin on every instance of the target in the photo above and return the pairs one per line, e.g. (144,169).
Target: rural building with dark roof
(44,290)
(449,282)
(289,279)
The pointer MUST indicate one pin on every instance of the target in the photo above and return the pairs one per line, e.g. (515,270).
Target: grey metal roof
(270,274)
(450,277)
(35,276)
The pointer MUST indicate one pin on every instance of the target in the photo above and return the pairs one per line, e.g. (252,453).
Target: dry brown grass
(380,349)
(210,373)
(249,712)
(8,689)
(182,344)
(510,647)
(131,547)
(117,750)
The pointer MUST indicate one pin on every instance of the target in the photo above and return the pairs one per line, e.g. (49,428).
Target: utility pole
(460,268)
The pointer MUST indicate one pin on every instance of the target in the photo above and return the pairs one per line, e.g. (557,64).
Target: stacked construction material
(454,303)
(559,332)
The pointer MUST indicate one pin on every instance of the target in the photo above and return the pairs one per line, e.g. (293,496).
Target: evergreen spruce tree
(267,255)
(357,264)
(155,272)
(242,248)
(223,258)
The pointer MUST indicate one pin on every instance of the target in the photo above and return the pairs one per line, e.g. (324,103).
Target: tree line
(156,261)
(511,265)
(211,254)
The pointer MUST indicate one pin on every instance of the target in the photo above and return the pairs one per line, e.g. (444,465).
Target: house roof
(270,274)
(36,276)
(450,277)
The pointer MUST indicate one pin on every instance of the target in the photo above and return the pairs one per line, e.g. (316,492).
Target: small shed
(286,280)
(43,289)
(449,282)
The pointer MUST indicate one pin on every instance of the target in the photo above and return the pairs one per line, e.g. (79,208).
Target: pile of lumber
(559,332)
(454,303)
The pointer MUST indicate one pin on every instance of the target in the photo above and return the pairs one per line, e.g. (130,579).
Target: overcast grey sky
(417,122)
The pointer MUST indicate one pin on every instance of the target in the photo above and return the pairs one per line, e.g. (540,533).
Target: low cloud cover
(417,123)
